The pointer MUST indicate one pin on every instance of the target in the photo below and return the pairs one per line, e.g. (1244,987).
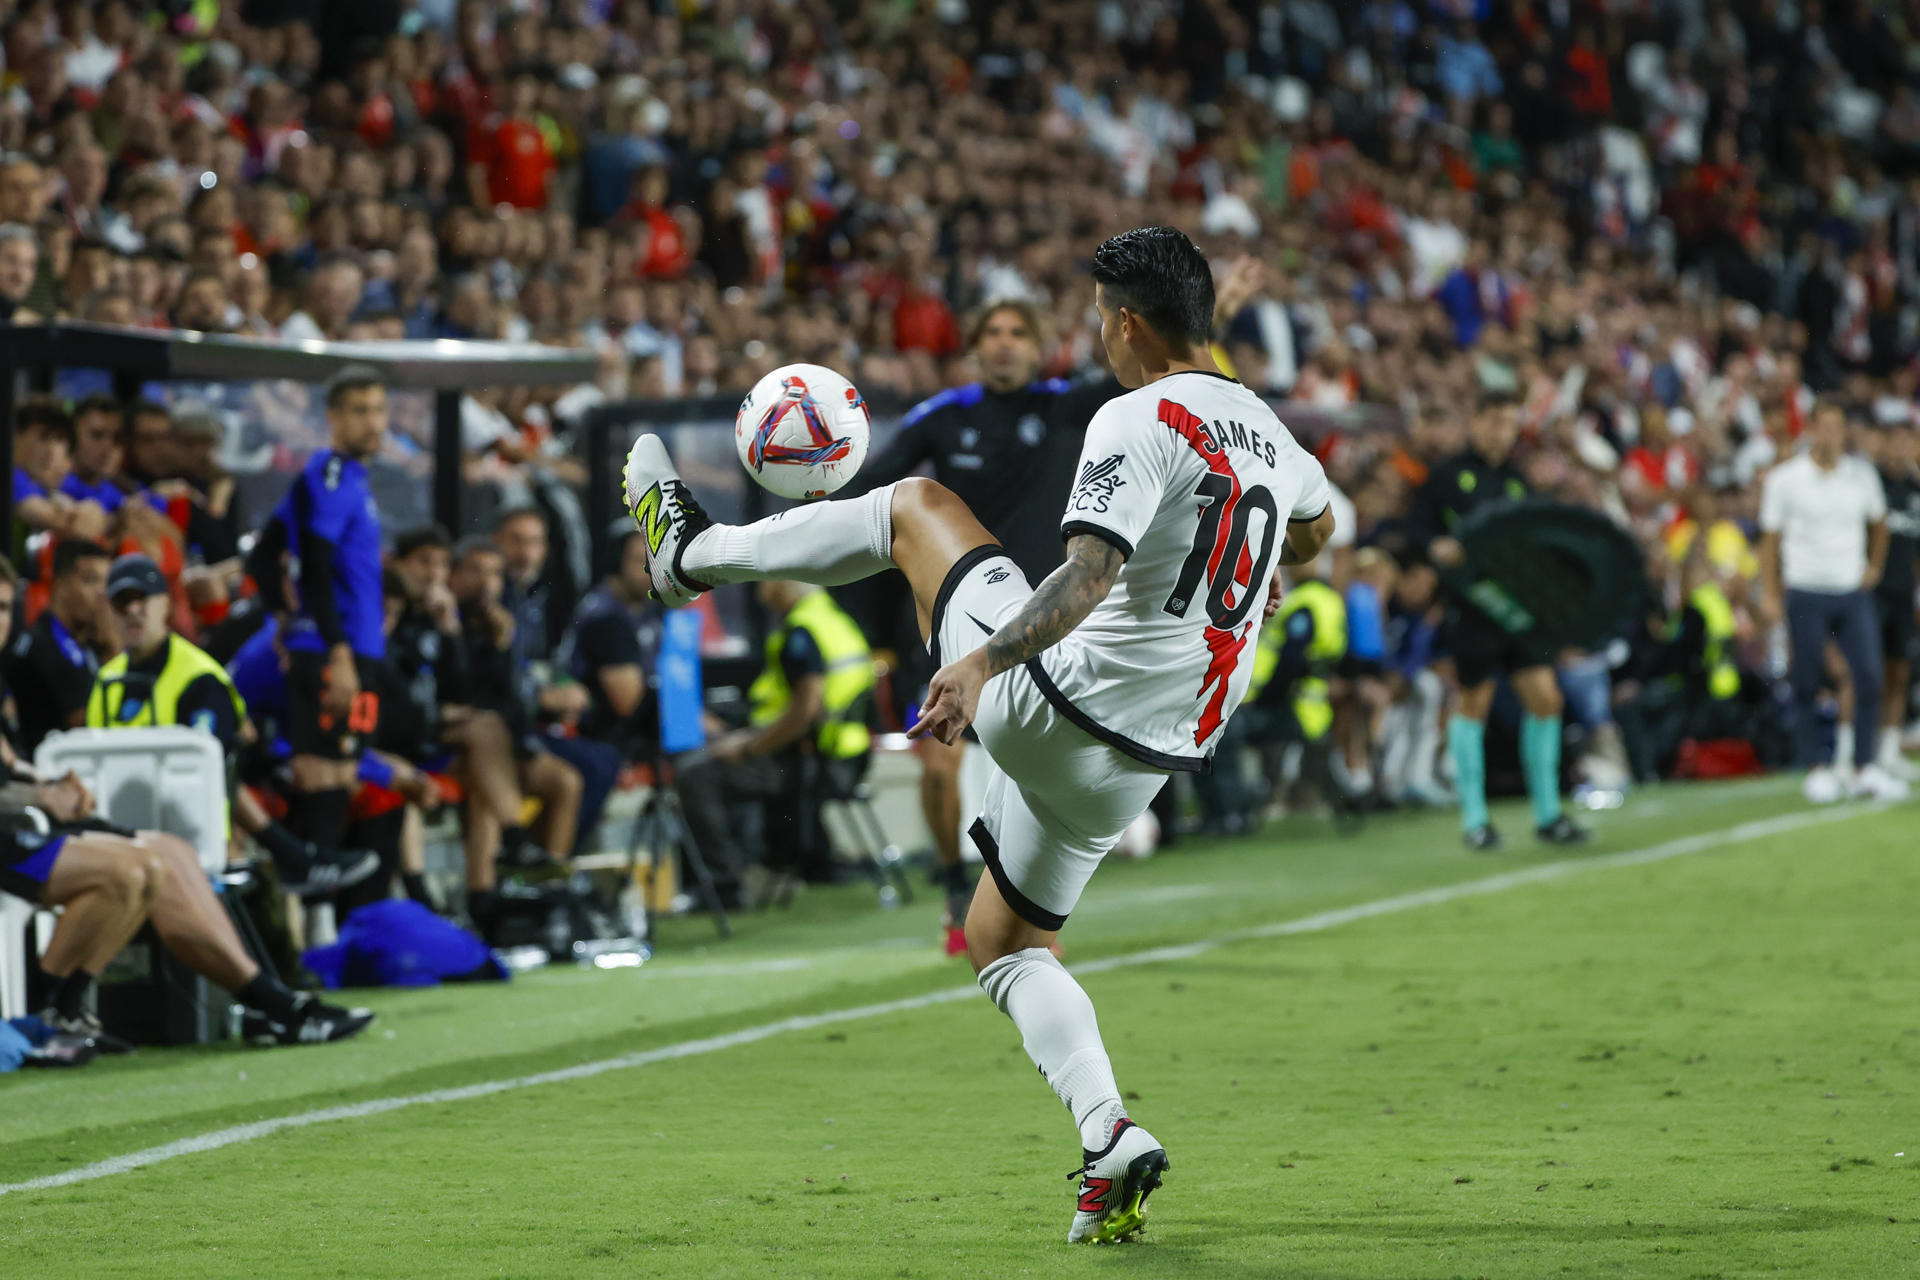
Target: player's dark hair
(44,414)
(355,377)
(1160,276)
(420,537)
(613,547)
(472,545)
(98,402)
(520,512)
(71,551)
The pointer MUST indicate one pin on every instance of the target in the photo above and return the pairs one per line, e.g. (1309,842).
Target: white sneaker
(1115,1184)
(668,517)
(1875,783)
(1822,786)
(1890,760)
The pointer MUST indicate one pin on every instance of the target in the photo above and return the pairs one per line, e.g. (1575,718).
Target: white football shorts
(1057,798)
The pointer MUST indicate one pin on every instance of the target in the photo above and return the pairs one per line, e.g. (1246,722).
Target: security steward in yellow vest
(806,713)
(161,679)
(1690,684)
(1300,648)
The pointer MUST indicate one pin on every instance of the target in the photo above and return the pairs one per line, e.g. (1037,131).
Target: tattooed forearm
(1057,605)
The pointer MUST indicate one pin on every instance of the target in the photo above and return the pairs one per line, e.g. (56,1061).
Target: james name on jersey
(1193,479)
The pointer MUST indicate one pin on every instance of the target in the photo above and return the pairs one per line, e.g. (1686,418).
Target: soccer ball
(802,431)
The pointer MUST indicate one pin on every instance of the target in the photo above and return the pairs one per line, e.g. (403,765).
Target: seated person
(43,462)
(270,765)
(50,667)
(500,681)
(613,648)
(164,679)
(97,454)
(109,882)
(430,642)
(1685,680)
(434,726)
(1301,650)
(808,718)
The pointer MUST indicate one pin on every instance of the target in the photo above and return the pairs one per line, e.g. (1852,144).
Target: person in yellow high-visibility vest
(1689,685)
(160,678)
(807,712)
(1299,650)
(1289,698)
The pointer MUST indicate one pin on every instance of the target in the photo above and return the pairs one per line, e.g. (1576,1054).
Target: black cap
(135,573)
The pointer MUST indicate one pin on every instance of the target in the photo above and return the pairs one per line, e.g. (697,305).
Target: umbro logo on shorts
(997,577)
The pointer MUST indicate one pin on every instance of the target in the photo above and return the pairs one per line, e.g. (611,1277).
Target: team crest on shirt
(1099,481)
(1032,430)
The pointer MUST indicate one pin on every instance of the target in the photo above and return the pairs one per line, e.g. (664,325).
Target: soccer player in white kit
(1121,666)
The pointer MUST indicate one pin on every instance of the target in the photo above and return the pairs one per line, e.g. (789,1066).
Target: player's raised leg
(915,525)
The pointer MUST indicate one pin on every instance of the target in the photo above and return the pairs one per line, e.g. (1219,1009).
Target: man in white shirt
(1823,521)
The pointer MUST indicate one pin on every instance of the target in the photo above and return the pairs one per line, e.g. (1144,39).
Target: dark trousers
(1847,617)
(598,764)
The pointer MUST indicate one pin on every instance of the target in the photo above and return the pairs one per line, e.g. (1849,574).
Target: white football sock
(826,543)
(1061,1035)
(1429,697)
(1843,746)
(1890,757)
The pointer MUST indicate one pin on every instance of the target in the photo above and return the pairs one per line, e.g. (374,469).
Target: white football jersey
(1194,479)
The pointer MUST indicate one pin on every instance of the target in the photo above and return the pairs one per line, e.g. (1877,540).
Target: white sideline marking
(1315,923)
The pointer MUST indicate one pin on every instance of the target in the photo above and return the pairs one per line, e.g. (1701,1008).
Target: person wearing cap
(159,678)
(163,679)
(108,882)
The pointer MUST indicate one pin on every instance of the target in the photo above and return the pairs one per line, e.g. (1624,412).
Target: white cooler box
(167,779)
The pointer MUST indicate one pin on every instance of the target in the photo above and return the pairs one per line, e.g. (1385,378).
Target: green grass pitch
(1705,1065)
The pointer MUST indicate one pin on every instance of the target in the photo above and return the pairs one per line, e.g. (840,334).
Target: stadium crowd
(1629,255)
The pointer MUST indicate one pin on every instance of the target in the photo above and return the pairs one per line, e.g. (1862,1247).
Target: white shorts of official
(1057,798)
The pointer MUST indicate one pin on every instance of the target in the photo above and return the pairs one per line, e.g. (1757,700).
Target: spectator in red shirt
(666,256)
(922,320)
(1589,89)
(509,161)
(1660,461)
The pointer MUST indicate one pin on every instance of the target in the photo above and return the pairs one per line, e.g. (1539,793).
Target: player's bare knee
(168,848)
(1543,699)
(989,940)
(150,874)
(919,495)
